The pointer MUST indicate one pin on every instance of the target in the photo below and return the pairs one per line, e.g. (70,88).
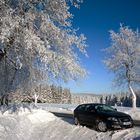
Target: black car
(101,116)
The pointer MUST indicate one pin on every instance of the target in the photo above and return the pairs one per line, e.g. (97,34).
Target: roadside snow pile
(127,134)
(18,122)
(65,130)
(40,116)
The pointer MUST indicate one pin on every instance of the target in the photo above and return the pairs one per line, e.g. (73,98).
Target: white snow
(65,108)
(134,113)
(40,116)
(23,122)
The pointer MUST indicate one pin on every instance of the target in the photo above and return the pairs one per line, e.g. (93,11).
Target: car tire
(76,121)
(101,126)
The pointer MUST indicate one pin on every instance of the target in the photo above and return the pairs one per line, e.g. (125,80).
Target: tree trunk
(36,97)
(133,96)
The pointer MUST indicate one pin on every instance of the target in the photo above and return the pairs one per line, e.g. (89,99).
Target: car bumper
(120,124)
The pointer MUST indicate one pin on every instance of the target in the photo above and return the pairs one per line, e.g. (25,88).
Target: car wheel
(101,126)
(76,121)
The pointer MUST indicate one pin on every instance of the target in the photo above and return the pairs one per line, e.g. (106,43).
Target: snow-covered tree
(37,38)
(124,58)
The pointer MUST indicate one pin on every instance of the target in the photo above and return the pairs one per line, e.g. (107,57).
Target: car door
(90,115)
(81,113)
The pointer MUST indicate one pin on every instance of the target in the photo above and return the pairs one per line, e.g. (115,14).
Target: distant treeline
(57,94)
(120,99)
(46,94)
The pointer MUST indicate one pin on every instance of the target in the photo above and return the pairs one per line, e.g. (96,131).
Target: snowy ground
(28,123)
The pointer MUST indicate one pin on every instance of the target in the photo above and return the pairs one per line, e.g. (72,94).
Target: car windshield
(104,108)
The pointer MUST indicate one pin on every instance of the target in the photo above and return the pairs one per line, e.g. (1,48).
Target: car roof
(92,104)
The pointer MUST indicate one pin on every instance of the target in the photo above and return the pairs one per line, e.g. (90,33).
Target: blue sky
(95,18)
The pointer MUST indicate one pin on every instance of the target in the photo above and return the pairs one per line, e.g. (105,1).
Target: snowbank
(40,116)
(18,122)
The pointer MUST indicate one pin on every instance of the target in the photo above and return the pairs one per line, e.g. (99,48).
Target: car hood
(114,114)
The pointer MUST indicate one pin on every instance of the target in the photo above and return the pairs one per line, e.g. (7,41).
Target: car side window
(81,108)
(90,108)
(99,108)
(87,108)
